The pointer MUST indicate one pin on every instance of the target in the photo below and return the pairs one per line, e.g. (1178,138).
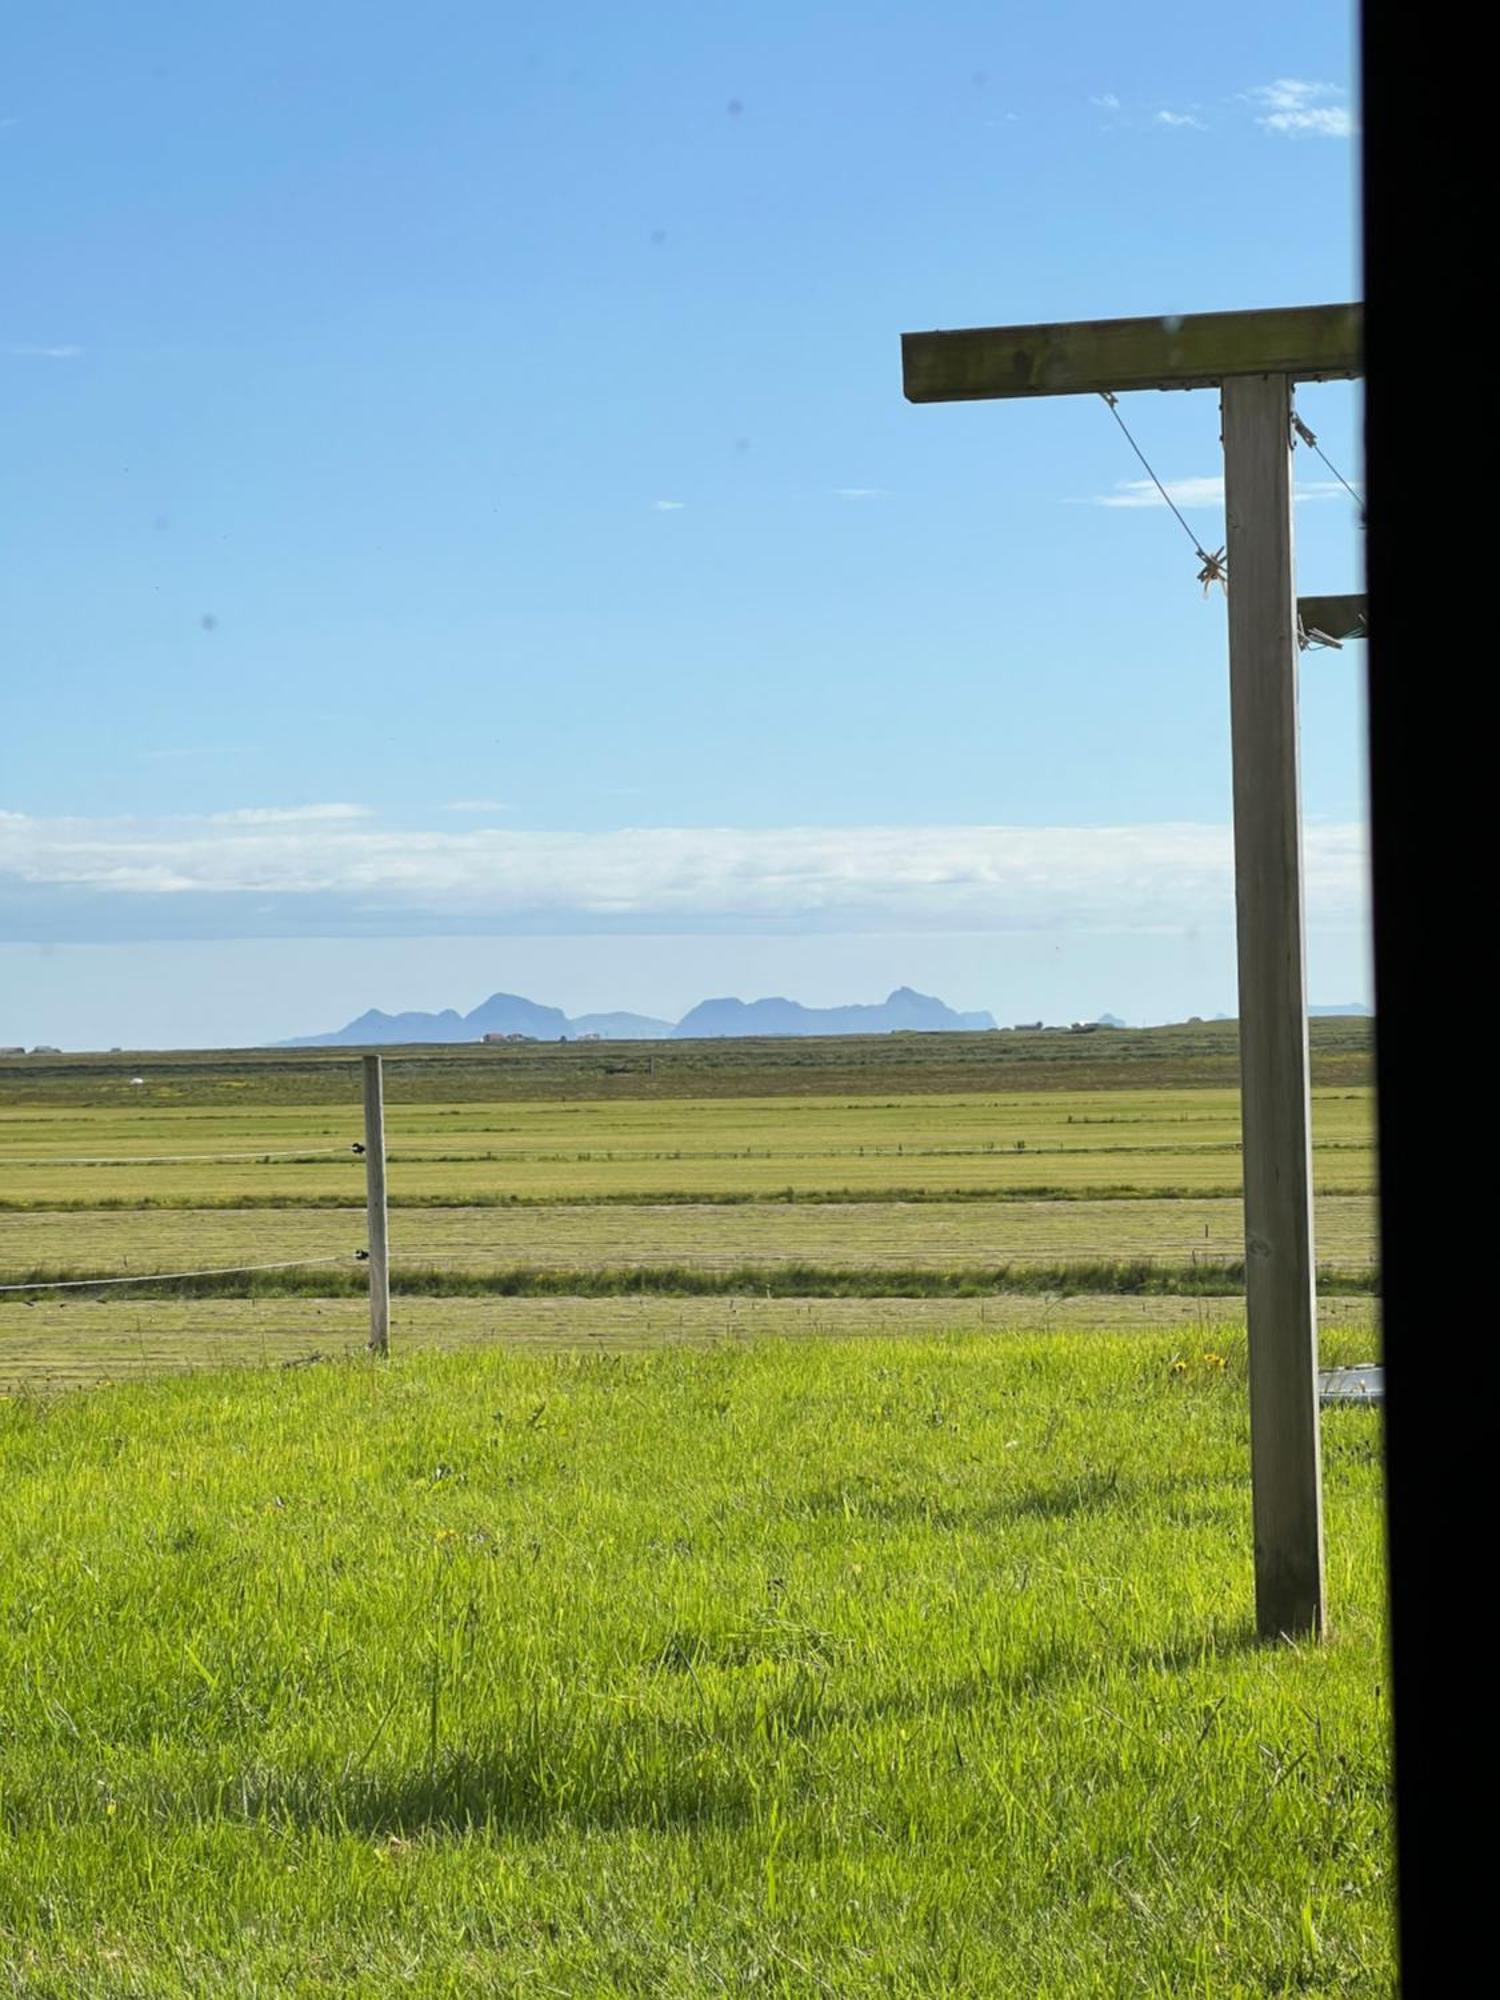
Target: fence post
(380,1261)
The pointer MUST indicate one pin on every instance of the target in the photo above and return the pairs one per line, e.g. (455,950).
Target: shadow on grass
(664,1779)
(680,1780)
(1052,1668)
(1088,1492)
(813,1707)
(650,1775)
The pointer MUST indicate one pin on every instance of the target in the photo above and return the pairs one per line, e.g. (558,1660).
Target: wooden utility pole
(1275,1098)
(1253,358)
(379,1245)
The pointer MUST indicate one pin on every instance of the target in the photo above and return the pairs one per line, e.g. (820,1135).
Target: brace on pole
(1329,621)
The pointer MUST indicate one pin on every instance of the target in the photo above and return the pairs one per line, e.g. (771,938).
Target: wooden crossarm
(1180,351)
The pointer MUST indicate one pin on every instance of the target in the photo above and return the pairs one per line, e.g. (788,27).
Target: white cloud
(860,492)
(1326,122)
(867,878)
(1188,494)
(1290,93)
(288,815)
(1185,493)
(1136,120)
(1323,489)
(44,353)
(667,506)
(1295,106)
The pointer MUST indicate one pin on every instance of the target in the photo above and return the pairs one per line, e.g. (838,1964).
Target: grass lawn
(872,1666)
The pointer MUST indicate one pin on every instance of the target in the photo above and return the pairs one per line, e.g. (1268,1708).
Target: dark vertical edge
(1432,774)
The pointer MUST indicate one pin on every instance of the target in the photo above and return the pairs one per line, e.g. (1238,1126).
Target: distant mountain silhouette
(509,1014)
(377,1027)
(903,1011)
(621,1027)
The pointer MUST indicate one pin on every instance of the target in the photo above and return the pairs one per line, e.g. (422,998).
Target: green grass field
(914,1666)
(800,1542)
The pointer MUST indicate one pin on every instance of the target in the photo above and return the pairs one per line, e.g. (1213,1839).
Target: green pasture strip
(883,1667)
(982,1119)
(766,1176)
(770,1179)
(614,1198)
(1193,1054)
(789,1279)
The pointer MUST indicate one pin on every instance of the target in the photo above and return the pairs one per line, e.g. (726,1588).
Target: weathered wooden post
(1253,358)
(1275,1095)
(379,1245)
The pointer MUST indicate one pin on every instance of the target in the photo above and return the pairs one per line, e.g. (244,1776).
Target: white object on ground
(1364,1384)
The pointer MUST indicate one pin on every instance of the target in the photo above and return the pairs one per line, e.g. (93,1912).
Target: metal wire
(164,1277)
(179,1159)
(1309,439)
(1215,569)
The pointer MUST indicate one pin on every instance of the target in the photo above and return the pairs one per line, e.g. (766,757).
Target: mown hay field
(67,1342)
(1126,1140)
(213,1162)
(941,1234)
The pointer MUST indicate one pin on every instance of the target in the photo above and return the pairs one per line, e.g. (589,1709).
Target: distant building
(591,1038)
(14,1050)
(510,1038)
(1028,1027)
(45,1049)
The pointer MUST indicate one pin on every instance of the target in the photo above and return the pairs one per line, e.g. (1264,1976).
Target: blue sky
(484,425)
